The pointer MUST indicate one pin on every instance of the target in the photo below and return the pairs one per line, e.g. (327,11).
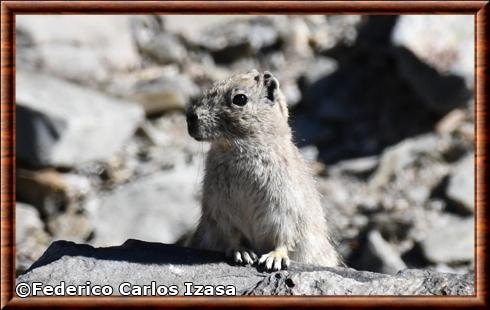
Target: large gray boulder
(87,49)
(461,235)
(442,41)
(140,263)
(159,207)
(62,124)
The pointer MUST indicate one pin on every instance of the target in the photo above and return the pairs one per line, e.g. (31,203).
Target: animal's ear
(271,85)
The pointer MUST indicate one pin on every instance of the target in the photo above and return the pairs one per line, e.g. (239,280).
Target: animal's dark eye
(240,100)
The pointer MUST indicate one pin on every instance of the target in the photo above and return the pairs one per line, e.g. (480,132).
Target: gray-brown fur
(259,199)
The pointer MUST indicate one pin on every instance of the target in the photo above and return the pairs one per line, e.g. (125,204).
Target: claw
(238,257)
(242,257)
(275,260)
(277,264)
(247,258)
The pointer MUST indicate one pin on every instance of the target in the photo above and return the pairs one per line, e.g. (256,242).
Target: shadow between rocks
(380,94)
(132,251)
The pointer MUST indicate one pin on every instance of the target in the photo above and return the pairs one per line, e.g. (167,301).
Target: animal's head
(244,105)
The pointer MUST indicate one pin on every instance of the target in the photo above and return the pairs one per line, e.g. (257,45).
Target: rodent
(260,204)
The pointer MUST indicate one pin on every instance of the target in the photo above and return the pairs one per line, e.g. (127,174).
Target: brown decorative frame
(480,9)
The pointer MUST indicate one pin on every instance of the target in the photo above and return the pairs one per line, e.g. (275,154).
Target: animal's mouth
(197,138)
(193,125)
(194,131)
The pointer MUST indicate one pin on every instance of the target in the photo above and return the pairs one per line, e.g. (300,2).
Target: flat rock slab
(140,263)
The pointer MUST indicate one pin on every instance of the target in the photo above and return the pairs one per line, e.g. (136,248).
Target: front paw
(242,257)
(275,260)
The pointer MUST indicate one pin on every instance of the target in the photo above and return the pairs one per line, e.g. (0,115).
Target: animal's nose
(191,117)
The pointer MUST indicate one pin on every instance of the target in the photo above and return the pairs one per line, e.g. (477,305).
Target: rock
(377,112)
(154,43)
(26,53)
(310,153)
(242,38)
(361,167)
(159,207)
(455,146)
(441,41)
(440,93)
(335,191)
(380,256)
(61,124)
(461,187)
(395,225)
(322,66)
(411,171)
(159,145)
(467,130)
(73,225)
(204,72)
(46,189)
(186,25)
(419,194)
(400,156)
(49,190)
(291,92)
(296,37)
(354,111)
(30,221)
(158,90)
(451,241)
(84,48)
(451,122)
(349,282)
(330,31)
(30,237)
(404,198)
(174,125)
(461,269)
(376,31)
(140,263)
(165,48)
